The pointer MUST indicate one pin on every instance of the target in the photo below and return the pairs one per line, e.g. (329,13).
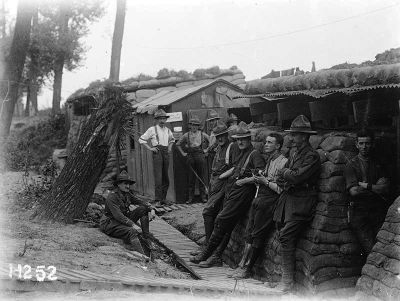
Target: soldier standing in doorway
(296,204)
(162,140)
(196,144)
(367,183)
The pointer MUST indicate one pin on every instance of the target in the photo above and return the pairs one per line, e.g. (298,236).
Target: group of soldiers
(280,192)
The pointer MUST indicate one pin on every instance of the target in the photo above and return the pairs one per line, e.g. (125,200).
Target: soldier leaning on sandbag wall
(367,184)
(296,204)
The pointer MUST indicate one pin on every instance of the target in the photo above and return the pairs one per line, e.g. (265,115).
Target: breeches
(197,162)
(260,221)
(115,229)
(236,206)
(289,233)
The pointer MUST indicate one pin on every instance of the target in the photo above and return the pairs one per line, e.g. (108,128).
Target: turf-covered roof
(328,79)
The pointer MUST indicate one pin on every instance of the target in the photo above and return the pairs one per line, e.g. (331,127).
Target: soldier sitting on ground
(260,220)
(118,221)
(367,183)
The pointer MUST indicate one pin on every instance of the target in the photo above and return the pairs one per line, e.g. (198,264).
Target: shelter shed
(181,104)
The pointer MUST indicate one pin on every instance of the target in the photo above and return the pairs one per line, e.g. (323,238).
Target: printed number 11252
(26,272)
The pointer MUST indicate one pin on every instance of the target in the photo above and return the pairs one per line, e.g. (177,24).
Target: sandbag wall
(380,274)
(327,255)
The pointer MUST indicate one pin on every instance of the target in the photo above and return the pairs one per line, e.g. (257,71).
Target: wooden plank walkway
(182,246)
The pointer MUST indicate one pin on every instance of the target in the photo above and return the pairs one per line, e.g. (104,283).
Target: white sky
(256,36)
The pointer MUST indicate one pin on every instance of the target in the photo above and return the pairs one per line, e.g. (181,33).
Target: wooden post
(398,150)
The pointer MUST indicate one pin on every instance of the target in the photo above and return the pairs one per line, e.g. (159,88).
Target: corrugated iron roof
(165,97)
(318,93)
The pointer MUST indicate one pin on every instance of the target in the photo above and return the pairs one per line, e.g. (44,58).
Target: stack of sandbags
(380,274)
(328,254)
(110,171)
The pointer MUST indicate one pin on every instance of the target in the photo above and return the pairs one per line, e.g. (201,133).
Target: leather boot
(245,256)
(134,245)
(288,267)
(208,229)
(215,239)
(208,226)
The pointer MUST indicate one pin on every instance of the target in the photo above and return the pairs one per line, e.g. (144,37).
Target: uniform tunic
(160,137)
(296,204)
(369,210)
(117,220)
(239,198)
(223,161)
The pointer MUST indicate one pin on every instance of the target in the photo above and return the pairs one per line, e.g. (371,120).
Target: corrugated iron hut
(338,102)
(181,105)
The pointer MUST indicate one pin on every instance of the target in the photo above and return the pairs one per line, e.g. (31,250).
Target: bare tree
(117,40)
(15,65)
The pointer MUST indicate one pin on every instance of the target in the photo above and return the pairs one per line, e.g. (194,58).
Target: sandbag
(317,249)
(329,224)
(329,169)
(318,236)
(332,143)
(333,198)
(322,155)
(145,93)
(331,210)
(340,156)
(315,141)
(332,184)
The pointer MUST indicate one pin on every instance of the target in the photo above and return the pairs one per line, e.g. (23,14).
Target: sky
(256,36)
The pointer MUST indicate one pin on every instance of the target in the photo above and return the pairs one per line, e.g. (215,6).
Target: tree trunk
(33,70)
(59,62)
(15,65)
(117,40)
(27,109)
(73,188)
(3,20)
(58,72)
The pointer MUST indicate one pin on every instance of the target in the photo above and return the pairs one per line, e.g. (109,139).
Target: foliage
(35,187)
(34,145)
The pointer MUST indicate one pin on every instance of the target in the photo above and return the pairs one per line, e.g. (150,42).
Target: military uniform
(223,160)
(296,204)
(367,211)
(238,200)
(117,220)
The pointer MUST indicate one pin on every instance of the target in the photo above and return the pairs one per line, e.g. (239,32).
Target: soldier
(367,184)
(232,124)
(196,144)
(296,204)
(225,154)
(118,221)
(162,140)
(248,163)
(261,214)
(212,121)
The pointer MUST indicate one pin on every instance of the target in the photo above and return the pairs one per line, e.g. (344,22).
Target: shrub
(33,145)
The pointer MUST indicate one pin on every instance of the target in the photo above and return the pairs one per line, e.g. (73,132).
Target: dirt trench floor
(78,246)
